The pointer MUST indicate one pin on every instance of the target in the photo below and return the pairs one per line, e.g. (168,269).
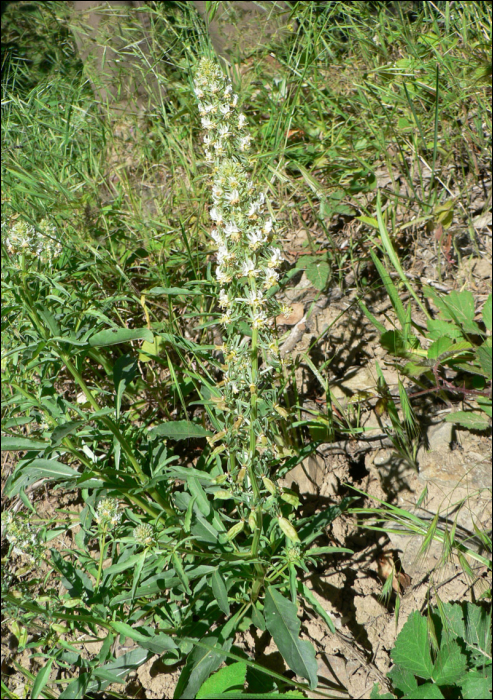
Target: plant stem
(102,543)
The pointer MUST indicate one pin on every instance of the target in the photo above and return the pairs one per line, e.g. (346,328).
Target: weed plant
(141,360)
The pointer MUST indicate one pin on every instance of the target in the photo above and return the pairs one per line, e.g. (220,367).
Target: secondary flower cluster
(23,536)
(248,262)
(22,238)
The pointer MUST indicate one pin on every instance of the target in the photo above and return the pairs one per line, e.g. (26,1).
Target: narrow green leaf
(283,624)
(173,291)
(15,444)
(179,430)
(157,642)
(220,592)
(113,336)
(487,314)
(201,662)
(41,679)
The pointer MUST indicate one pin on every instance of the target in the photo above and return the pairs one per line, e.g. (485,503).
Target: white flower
(252,210)
(261,198)
(255,239)
(224,255)
(208,108)
(271,278)
(276,258)
(267,228)
(216,192)
(216,215)
(222,277)
(209,156)
(235,100)
(233,197)
(226,318)
(259,319)
(207,139)
(228,89)
(224,109)
(214,87)
(207,123)
(217,236)
(219,147)
(241,120)
(224,300)
(243,142)
(199,93)
(231,228)
(224,131)
(248,268)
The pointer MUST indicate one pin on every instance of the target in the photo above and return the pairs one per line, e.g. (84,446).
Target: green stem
(257,584)
(102,542)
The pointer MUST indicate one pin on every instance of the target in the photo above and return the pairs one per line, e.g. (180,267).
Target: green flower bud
(223,495)
(290,497)
(288,529)
(252,520)
(269,485)
(235,530)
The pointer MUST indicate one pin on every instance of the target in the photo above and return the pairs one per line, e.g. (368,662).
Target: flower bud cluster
(108,513)
(22,238)
(247,271)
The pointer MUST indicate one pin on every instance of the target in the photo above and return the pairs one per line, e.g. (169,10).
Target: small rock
(483,268)
(307,476)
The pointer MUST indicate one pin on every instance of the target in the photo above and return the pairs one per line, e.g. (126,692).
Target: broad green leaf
(450,664)
(402,679)
(112,336)
(227,678)
(411,650)
(468,419)
(15,444)
(318,273)
(438,328)
(428,691)
(477,684)
(284,625)
(439,346)
(179,430)
(220,592)
(485,359)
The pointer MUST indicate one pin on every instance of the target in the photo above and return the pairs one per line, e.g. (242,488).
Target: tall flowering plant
(247,271)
